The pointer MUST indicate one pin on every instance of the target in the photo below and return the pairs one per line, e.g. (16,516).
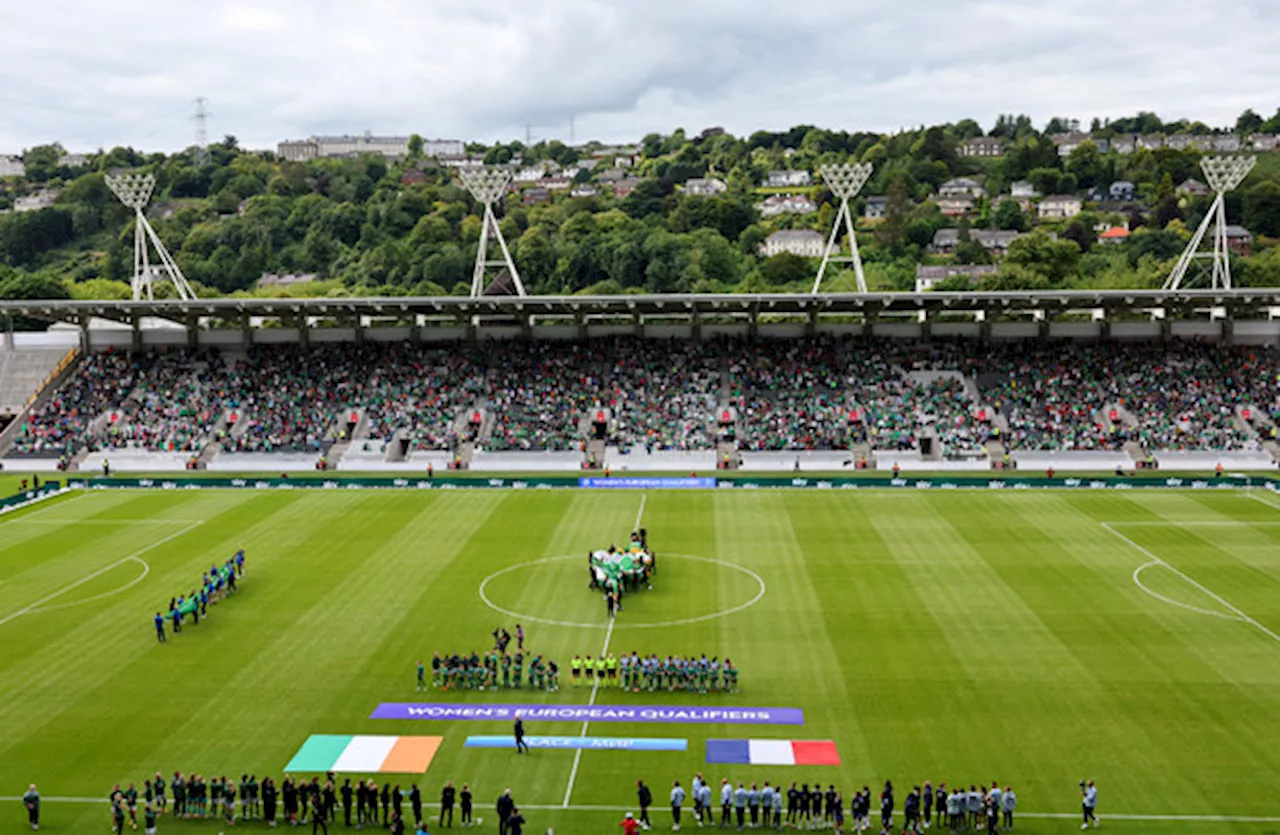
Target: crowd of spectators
(813,393)
(663,394)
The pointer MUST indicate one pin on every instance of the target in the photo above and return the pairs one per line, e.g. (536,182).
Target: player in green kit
(149,819)
(161,801)
(506,670)
(422,677)
(519,671)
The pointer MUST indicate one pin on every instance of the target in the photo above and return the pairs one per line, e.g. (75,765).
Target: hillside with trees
(374,226)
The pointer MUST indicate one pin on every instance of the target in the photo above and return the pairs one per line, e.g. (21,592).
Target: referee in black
(521,746)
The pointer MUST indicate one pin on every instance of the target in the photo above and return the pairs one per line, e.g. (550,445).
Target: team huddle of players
(651,673)
(616,570)
(493,670)
(215,584)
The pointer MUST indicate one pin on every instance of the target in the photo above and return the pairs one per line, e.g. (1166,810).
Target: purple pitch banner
(457,711)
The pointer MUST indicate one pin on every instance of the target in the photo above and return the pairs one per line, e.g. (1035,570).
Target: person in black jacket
(515,822)
(465,797)
(318,819)
(504,807)
(886,805)
(361,800)
(386,802)
(911,810)
(415,803)
(269,800)
(290,795)
(346,801)
(397,801)
(446,803)
(521,746)
(645,797)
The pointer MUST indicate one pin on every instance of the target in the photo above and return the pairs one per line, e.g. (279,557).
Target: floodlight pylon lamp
(487,186)
(845,181)
(1223,174)
(132,189)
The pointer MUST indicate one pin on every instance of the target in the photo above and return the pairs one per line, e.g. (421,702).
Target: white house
(1122,190)
(1193,187)
(1060,207)
(875,207)
(392,147)
(788,179)
(780,204)
(584,190)
(704,187)
(995,241)
(929,277)
(529,175)
(1023,189)
(1264,141)
(73,160)
(1228,144)
(42,199)
(982,146)
(1151,141)
(1124,143)
(803,242)
(1068,142)
(12,167)
(961,187)
(955,205)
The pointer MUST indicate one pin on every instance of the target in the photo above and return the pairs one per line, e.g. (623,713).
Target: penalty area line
(134,557)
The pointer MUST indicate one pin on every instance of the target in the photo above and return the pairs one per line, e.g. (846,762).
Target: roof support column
(135,343)
(304,331)
(1228,331)
(193,331)
(246,333)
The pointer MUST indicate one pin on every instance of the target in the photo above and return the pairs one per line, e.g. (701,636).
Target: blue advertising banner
(653,483)
(587,743)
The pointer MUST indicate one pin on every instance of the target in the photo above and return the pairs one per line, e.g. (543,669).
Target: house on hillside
(1114,235)
(1124,143)
(704,187)
(786,204)
(995,241)
(73,160)
(955,206)
(12,167)
(1151,141)
(1264,142)
(875,207)
(536,196)
(1023,189)
(1228,144)
(982,146)
(803,242)
(1179,141)
(961,186)
(1121,191)
(1059,207)
(788,179)
(584,190)
(1068,142)
(1240,240)
(1193,188)
(929,277)
(413,177)
(624,187)
(42,199)
(611,175)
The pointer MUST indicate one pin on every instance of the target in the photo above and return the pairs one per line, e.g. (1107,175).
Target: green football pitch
(1031,637)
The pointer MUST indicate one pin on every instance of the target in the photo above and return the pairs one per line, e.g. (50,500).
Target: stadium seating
(1048,403)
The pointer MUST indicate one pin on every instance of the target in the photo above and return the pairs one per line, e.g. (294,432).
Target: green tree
(892,231)
(415,147)
(1262,208)
(1087,165)
(784,268)
(1054,260)
(1009,216)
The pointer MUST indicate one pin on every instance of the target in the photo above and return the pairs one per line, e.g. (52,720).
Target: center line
(595,686)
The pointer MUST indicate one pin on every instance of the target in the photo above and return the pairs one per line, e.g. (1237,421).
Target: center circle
(622,622)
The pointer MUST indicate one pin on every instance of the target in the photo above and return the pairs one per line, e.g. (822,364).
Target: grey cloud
(126,73)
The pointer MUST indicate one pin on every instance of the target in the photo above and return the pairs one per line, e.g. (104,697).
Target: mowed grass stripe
(1153,679)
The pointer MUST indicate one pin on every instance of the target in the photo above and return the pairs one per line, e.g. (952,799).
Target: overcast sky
(93,74)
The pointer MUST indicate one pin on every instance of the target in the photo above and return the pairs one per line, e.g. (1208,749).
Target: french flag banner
(772,752)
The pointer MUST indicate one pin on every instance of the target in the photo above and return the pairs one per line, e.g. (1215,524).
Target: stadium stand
(821,402)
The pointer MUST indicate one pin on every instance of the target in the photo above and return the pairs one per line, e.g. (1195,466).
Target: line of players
(652,673)
(959,810)
(492,671)
(214,586)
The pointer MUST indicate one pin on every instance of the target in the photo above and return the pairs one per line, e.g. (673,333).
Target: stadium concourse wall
(161,334)
(1235,481)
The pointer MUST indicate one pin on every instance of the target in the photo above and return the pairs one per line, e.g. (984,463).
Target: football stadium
(909,557)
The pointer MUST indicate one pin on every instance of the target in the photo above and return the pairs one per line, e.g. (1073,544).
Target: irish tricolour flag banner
(365,754)
(772,752)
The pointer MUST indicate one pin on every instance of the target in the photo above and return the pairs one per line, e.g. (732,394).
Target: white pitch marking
(543,807)
(1242,615)
(1137,581)
(146,569)
(595,685)
(134,556)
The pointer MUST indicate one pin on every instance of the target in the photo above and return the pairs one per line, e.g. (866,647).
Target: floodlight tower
(1223,174)
(487,185)
(845,181)
(134,190)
